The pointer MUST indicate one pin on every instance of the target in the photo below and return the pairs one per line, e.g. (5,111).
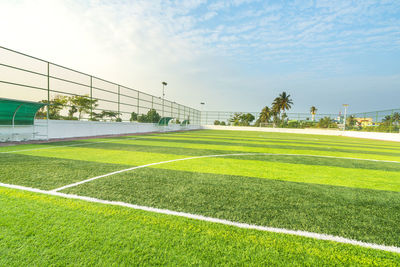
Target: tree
(55,106)
(217,122)
(276,104)
(72,110)
(235,119)
(282,103)
(387,118)
(223,123)
(351,121)
(396,118)
(265,116)
(83,104)
(326,122)
(246,119)
(313,111)
(284,117)
(241,119)
(134,116)
(153,116)
(112,115)
(142,118)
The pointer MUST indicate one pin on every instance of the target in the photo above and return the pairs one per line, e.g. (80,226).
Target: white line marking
(125,170)
(206,156)
(318,236)
(78,144)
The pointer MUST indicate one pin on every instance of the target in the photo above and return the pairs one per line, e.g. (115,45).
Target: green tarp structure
(185,123)
(164,121)
(17,112)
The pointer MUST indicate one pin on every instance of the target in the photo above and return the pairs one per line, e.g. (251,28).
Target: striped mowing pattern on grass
(322,184)
(213,220)
(218,166)
(45,230)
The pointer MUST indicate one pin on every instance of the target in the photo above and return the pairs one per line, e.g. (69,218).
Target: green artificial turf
(49,173)
(317,174)
(344,197)
(361,214)
(40,230)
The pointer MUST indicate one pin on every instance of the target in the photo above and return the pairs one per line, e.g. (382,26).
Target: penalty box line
(313,235)
(207,156)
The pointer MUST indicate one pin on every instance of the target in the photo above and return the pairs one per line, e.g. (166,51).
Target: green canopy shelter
(17,120)
(185,123)
(17,112)
(164,121)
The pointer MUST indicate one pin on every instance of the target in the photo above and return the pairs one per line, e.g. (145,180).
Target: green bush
(327,122)
(134,116)
(151,116)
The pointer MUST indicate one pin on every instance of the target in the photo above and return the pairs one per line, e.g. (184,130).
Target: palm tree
(265,114)
(387,119)
(313,111)
(282,103)
(396,118)
(351,121)
(276,106)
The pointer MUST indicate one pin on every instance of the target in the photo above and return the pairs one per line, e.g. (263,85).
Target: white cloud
(207,46)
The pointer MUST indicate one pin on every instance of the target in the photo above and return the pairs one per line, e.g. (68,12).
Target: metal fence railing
(209,117)
(25,77)
(381,121)
(375,121)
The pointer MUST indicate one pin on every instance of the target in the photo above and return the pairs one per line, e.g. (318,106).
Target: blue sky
(233,55)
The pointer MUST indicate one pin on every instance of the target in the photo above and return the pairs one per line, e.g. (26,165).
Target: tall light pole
(345,115)
(163,96)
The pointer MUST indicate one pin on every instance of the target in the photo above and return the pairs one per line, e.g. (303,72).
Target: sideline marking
(318,236)
(206,156)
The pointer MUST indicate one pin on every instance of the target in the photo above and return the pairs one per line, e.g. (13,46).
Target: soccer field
(201,197)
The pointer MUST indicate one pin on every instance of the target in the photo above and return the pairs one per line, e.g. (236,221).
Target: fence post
(391,121)
(138,103)
(48,92)
(119,100)
(163,106)
(91,97)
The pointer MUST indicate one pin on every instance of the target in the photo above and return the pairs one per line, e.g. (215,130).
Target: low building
(363,122)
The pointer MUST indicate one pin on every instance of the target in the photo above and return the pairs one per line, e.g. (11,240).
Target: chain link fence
(375,121)
(24,77)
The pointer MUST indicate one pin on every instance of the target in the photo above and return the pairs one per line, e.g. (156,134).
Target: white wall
(369,135)
(69,129)
(17,133)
